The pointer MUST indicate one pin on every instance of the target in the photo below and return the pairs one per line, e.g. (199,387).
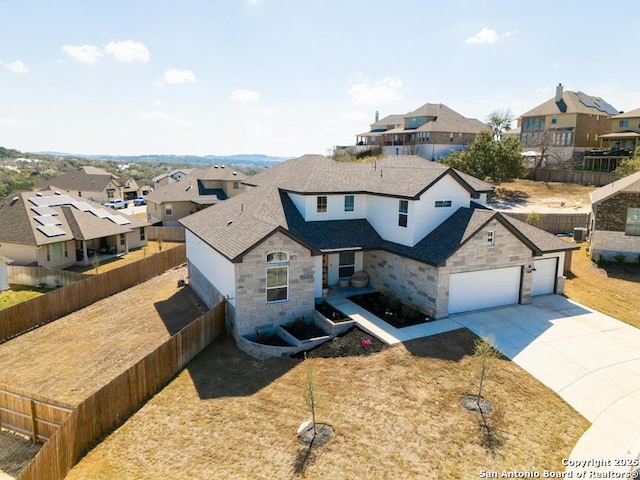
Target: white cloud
(254,2)
(12,122)
(83,53)
(488,36)
(128,51)
(162,116)
(15,67)
(157,103)
(175,76)
(245,97)
(386,90)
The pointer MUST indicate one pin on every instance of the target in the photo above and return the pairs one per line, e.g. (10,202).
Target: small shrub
(600,260)
(619,258)
(535,219)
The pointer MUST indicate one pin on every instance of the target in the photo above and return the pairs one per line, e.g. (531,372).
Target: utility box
(580,234)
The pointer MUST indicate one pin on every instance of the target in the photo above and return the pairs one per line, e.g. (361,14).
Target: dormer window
(321,204)
(442,203)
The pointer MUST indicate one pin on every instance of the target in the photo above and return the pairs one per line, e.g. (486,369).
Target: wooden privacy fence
(31,415)
(35,276)
(46,308)
(556,222)
(583,177)
(167,234)
(115,402)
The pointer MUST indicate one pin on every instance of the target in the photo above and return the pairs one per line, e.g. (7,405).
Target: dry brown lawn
(531,192)
(613,289)
(69,359)
(396,414)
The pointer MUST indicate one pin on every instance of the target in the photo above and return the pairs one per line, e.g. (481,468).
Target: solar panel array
(44,210)
(52,200)
(51,230)
(99,212)
(119,220)
(47,220)
(82,206)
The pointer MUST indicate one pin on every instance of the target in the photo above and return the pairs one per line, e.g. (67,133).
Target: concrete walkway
(590,359)
(381,329)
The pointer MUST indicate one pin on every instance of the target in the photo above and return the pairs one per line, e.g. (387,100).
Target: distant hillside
(248,159)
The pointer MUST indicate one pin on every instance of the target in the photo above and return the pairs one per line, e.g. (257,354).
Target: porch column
(85,254)
(126,243)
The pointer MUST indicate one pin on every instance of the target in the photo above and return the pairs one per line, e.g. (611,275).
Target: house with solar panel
(94,184)
(566,126)
(56,230)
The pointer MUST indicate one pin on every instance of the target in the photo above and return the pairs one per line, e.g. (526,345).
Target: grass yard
(20,293)
(613,289)
(133,256)
(70,358)
(396,414)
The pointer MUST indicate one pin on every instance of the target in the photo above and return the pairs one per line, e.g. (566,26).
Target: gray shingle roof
(630,114)
(17,223)
(190,187)
(86,179)
(237,225)
(612,188)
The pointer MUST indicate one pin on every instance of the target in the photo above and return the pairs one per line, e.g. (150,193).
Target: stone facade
(412,282)
(475,255)
(611,213)
(251,307)
(609,244)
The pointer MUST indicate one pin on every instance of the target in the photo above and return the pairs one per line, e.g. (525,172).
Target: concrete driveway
(590,359)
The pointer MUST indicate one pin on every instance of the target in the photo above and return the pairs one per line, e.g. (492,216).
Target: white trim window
(491,238)
(632,226)
(277,277)
(442,203)
(346,264)
(168,209)
(321,204)
(349,203)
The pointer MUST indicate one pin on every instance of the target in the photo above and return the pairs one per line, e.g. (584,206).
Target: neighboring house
(431,131)
(565,125)
(57,230)
(418,228)
(93,184)
(170,177)
(625,133)
(199,189)
(615,219)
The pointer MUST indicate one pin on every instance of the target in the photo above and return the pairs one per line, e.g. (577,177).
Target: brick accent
(251,307)
(611,214)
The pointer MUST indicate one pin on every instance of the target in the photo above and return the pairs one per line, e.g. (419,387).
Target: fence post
(34,422)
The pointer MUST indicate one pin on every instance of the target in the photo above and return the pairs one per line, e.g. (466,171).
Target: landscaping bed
(303,330)
(389,309)
(336,316)
(354,342)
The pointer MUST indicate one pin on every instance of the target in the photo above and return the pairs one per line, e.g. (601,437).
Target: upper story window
(349,203)
(491,238)
(143,234)
(443,203)
(623,123)
(321,204)
(111,193)
(403,213)
(633,222)
(554,119)
(168,209)
(236,185)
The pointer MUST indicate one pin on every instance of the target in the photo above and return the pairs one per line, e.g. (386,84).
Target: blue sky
(288,77)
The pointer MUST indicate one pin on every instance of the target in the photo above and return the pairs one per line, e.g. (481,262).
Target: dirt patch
(541,197)
(15,453)
(70,358)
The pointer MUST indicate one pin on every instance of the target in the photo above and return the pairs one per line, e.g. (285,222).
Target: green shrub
(619,258)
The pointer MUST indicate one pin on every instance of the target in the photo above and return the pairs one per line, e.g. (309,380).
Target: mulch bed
(470,402)
(354,342)
(331,313)
(390,310)
(304,331)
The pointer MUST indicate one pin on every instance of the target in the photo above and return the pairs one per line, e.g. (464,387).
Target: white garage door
(544,276)
(484,289)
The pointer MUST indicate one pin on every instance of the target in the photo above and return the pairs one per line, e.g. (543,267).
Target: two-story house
(94,184)
(431,131)
(625,133)
(170,177)
(420,230)
(563,127)
(197,190)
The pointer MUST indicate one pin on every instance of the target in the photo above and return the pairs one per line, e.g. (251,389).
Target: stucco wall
(20,254)
(252,309)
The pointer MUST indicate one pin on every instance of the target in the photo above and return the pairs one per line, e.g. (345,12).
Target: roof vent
(235,173)
(39,194)
(57,192)
(229,222)
(221,166)
(14,200)
(215,166)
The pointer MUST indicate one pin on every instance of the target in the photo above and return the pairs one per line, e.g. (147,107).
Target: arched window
(277,277)
(277,257)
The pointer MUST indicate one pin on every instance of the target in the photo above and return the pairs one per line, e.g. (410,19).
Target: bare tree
(500,121)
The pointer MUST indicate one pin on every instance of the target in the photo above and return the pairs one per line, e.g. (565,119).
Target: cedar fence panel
(582,177)
(35,276)
(46,308)
(110,406)
(167,234)
(29,414)
(556,222)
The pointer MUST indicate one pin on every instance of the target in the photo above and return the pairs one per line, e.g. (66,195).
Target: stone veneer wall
(413,282)
(609,244)
(611,214)
(475,255)
(251,307)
